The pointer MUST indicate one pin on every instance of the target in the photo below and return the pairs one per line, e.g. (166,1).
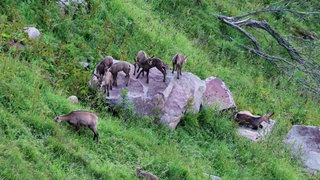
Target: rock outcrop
(305,142)
(171,99)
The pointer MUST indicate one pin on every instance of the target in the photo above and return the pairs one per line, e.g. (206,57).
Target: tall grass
(36,81)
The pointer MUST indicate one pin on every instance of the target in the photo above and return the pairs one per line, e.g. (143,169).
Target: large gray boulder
(305,142)
(169,100)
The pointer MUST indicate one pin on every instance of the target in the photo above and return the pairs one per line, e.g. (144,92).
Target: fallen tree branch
(298,62)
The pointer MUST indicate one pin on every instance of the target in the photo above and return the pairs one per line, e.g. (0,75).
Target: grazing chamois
(177,62)
(247,119)
(81,118)
(117,67)
(103,65)
(153,62)
(146,175)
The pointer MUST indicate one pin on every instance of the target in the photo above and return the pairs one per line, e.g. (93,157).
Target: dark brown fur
(153,62)
(104,64)
(81,118)
(247,119)
(140,59)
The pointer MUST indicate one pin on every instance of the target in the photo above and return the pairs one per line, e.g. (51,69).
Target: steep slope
(36,81)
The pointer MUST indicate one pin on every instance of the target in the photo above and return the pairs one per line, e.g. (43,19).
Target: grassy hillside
(36,81)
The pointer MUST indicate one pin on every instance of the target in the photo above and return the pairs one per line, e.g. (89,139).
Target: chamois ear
(96,75)
(271,114)
(185,59)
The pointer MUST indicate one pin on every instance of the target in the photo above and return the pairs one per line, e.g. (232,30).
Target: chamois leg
(78,129)
(96,134)
(148,76)
(134,71)
(128,78)
(173,67)
(163,70)
(107,89)
(139,74)
(115,79)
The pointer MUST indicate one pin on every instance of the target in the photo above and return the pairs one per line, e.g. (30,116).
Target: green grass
(36,81)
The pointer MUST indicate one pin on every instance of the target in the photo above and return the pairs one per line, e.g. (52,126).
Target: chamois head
(266,117)
(185,59)
(57,119)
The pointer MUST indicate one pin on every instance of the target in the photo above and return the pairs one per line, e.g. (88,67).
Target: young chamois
(81,118)
(177,62)
(153,62)
(145,175)
(117,67)
(247,119)
(104,64)
(107,81)
(139,60)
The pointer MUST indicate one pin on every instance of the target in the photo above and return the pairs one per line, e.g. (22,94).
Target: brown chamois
(153,62)
(139,60)
(117,67)
(81,118)
(107,81)
(247,119)
(177,62)
(146,175)
(104,64)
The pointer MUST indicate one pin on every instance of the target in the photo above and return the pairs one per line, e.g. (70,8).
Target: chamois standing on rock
(117,67)
(81,118)
(139,60)
(153,62)
(247,119)
(146,175)
(177,62)
(107,81)
(103,65)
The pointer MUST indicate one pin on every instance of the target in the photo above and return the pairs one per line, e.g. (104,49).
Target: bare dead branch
(302,59)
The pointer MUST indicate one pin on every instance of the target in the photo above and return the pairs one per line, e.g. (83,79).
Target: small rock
(73,99)
(84,64)
(33,32)
(212,177)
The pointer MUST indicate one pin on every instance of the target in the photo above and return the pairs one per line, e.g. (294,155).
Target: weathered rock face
(169,100)
(256,135)
(217,93)
(305,142)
